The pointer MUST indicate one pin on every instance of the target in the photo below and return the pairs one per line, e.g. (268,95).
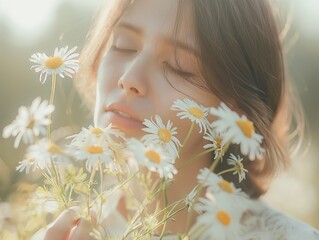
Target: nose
(134,78)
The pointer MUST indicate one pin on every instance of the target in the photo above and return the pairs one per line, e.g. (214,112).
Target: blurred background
(33,26)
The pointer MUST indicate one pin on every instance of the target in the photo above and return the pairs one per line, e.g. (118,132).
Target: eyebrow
(168,40)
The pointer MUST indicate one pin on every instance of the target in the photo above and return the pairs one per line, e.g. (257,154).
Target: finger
(93,217)
(82,231)
(61,227)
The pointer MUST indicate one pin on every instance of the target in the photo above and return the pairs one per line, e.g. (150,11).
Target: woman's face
(136,77)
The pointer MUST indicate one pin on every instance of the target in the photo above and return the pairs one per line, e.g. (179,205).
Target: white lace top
(261,222)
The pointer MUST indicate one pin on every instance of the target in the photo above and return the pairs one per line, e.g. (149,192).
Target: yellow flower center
(239,167)
(226,186)
(54,149)
(218,142)
(196,112)
(96,131)
(30,160)
(246,126)
(53,62)
(94,149)
(31,123)
(223,217)
(164,134)
(153,156)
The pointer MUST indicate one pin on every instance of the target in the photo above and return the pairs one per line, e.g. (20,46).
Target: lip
(113,116)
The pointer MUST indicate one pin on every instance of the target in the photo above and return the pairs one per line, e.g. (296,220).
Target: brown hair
(242,63)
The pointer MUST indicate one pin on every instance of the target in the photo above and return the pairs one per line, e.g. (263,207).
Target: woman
(143,55)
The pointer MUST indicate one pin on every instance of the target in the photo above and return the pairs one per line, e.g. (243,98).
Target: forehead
(158,18)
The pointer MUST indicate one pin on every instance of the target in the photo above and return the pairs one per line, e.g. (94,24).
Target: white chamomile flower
(93,152)
(27,164)
(216,184)
(216,143)
(193,111)
(30,122)
(238,130)
(96,134)
(40,155)
(239,169)
(190,199)
(161,134)
(218,220)
(63,62)
(154,158)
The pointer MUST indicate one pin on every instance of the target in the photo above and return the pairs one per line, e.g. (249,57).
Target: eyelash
(166,64)
(115,48)
(178,71)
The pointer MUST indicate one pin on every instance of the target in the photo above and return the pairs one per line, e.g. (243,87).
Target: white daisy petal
(154,158)
(193,111)
(62,62)
(161,134)
(238,130)
(29,122)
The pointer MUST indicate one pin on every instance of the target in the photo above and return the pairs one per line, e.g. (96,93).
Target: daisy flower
(218,221)
(30,122)
(193,111)
(154,158)
(216,142)
(161,134)
(238,130)
(93,152)
(96,134)
(236,162)
(190,199)
(63,62)
(27,164)
(40,154)
(217,184)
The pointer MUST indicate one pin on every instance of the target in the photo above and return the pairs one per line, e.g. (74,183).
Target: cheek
(108,74)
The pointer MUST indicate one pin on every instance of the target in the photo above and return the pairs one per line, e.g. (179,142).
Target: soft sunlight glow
(28,19)
(308,17)
(31,19)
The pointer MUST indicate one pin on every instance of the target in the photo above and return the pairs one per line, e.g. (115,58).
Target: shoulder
(263,222)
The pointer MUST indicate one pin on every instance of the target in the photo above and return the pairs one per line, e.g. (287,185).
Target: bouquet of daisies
(98,167)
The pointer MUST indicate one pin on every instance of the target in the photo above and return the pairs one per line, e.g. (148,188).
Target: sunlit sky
(30,19)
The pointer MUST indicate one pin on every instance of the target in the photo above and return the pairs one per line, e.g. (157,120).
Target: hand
(69,226)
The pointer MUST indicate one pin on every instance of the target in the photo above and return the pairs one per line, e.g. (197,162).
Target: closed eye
(178,71)
(124,50)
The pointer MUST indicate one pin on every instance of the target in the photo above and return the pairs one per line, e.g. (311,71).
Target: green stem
(114,189)
(101,190)
(165,212)
(186,138)
(194,158)
(226,171)
(89,193)
(51,103)
(163,221)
